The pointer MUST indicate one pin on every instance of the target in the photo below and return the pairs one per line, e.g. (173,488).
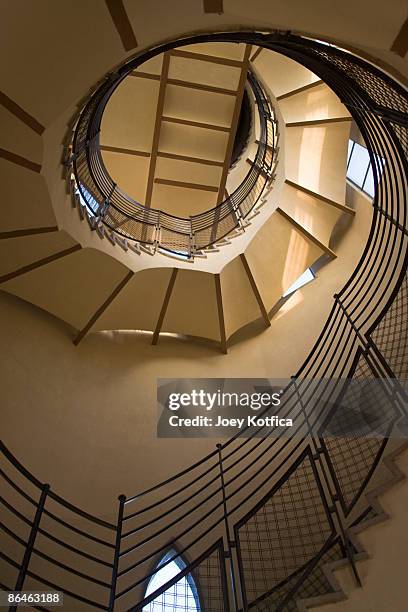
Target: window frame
(366,173)
(182,564)
(289,292)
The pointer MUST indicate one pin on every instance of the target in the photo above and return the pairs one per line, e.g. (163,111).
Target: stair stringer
(337,594)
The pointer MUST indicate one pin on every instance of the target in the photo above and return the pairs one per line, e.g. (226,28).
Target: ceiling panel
(16,253)
(317,217)
(192,309)
(71,288)
(319,102)
(153,65)
(129,117)
(18,138)
(180,170)
(196,105)
(208,73)
(282,74)
(238,299)
(139,303)
(29,205)
(181,201)
(197,142)
(130,172)
(277,255)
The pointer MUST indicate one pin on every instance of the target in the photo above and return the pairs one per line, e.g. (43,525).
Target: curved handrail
(151,226)
(247,469)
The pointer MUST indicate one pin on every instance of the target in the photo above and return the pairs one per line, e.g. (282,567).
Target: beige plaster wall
(313,104)
(325,169)
(84,418)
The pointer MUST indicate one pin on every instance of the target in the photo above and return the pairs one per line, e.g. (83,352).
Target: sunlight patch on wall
(295,260)
(310,157)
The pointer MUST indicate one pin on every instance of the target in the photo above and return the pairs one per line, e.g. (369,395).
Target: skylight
(179,254)
(180,596)
(90,202)
(359,169)
(303,279)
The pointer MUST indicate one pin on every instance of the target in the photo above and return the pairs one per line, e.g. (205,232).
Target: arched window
(181,596)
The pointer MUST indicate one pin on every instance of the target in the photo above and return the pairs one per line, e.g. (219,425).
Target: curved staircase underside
(168,130)
(92,291)
(39,257)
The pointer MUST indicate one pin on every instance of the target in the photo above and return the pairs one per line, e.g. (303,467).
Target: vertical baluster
(103,208)
(191,244)
(85,145)
(230,542)
(112,597)
(30,543)
(157,237)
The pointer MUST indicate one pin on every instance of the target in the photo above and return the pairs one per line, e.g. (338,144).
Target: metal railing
(258,517)
(150,226)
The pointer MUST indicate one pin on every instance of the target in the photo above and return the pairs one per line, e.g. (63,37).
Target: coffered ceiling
(168,130)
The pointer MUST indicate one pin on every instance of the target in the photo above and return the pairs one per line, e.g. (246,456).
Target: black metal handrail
(221,513)
(150,226)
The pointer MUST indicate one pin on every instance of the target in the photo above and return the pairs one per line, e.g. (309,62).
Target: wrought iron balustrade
(133,221)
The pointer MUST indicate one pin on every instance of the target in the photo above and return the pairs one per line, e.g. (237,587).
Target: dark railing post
(350,321)
(70,159)
(115,568)
(191,240)
(236,211)
(157,235)
(103,209)
(85,145)
(31,541)
(230,542)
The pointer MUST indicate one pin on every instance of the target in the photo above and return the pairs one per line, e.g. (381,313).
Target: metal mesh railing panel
(391,334)
(285,532)
(179,596)
(315,583)
(129,228)
(373,84)
(402,134)
(355,432)
(173,241)
(219,230)
(209,579)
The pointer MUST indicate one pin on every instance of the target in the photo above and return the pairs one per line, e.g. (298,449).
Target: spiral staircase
(187,300)
(263,522)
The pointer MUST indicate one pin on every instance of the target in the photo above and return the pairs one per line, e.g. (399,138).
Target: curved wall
(87,414)
(28,24)
(76,393)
